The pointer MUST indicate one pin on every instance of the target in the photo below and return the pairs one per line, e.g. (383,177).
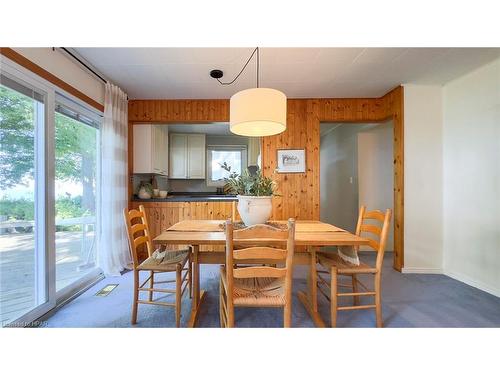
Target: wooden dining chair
(374,226)
(245,281)
(157,262)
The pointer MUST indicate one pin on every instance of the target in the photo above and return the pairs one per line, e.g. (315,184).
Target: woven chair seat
(259,291)
(331,259)
(166,263)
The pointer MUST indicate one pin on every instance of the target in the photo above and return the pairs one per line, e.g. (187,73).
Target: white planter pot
(254,210)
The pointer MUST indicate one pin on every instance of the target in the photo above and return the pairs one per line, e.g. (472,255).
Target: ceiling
(183,73)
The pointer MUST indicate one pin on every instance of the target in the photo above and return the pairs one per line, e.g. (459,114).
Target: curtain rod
(85,65)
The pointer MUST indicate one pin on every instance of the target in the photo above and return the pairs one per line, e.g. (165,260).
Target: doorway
(356,168)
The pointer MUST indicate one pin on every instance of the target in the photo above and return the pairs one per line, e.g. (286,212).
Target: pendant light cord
(244,66)
(258,64)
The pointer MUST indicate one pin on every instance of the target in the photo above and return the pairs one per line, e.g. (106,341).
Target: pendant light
(256,112)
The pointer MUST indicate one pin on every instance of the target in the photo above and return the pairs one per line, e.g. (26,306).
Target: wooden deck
(17,269)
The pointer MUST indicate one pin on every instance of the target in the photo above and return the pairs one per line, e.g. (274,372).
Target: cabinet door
(196,156)
(142,149)
(165,149)
(157,149)
(178,156)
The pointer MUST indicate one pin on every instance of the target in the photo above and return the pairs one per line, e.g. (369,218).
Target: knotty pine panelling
(300,195)
(178,110)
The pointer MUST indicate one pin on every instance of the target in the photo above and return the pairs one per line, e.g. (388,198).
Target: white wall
(423,181)
(376,170)
(472,178)
(66,69)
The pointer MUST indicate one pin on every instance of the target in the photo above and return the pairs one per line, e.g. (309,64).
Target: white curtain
(114,253)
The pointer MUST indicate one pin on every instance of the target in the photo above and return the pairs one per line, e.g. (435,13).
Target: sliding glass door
(49,196)
(24,261)
(77,162)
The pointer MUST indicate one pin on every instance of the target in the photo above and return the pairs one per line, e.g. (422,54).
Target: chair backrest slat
(138,241)
(261,231)
(137,228)
(375,215)
(138,232)
(371,228)
(259,271)
(261,252)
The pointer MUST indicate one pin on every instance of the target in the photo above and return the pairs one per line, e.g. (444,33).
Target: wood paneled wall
(300,195)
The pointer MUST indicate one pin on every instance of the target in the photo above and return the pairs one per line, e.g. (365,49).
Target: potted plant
(254,193)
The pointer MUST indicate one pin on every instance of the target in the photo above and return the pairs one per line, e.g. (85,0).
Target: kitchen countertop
(190,197)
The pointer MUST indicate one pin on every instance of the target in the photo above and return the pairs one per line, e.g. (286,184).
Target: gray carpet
(409,300)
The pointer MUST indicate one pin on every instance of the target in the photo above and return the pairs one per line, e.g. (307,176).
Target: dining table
(310,237)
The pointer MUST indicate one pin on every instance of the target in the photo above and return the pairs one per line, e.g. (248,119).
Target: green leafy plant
(248,184)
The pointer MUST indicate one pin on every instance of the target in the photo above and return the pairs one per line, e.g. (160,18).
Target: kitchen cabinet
(196,156)
(187,156)
(151,149)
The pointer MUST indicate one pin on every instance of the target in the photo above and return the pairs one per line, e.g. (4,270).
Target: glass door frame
(44,194)
(77,286)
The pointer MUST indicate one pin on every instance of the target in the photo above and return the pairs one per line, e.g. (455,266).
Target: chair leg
(230,317)
(151,284)
(333,297)
(378,301)
(178,296)
(355,288)
(136,297)
(230,313)
(190,277)
(221,308)
(288,313)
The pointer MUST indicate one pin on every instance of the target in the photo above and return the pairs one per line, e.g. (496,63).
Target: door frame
(44,197)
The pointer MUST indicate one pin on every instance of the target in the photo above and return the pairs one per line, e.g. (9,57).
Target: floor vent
(106,290)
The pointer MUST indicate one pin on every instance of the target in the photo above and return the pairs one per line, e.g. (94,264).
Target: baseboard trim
(474,283)
(434,271)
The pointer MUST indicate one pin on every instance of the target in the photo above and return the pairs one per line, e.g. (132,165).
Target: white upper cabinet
(196,156)
(187,156)
(151,149)
(178,156)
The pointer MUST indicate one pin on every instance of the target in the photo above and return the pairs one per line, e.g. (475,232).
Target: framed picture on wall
(291,161)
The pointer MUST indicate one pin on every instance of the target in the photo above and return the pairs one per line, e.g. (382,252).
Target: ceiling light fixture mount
(216,73)
(256,112)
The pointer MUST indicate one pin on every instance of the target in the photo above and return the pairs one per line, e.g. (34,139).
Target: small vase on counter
(145,190)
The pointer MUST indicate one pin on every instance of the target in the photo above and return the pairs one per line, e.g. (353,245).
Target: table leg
(310,299)
(197,293)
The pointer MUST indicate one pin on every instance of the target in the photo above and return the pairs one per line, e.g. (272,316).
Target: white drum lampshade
(258,112)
